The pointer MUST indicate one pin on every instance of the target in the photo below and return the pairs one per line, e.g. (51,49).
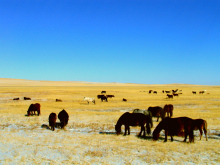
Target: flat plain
(89,136)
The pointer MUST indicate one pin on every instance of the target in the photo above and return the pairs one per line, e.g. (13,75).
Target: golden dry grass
(23,140)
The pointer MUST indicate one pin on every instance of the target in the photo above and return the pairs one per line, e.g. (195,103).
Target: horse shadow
(57,125)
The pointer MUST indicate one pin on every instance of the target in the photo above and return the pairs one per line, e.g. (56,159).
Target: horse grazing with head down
(175,126)
(32,108)
(52,120)
(157,112)
(133,119)
(89,99)
(145,112)
(200,124)
(63,117)
(168,109)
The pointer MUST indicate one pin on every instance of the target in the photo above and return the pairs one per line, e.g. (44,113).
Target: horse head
(118,129)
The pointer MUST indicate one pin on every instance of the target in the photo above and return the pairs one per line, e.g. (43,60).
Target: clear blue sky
(127,41)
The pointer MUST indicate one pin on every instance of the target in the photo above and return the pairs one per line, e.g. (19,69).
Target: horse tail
(205,129)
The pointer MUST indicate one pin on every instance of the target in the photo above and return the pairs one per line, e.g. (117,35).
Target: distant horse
(52,120)
(102,97)
(110,96)
(124,99)
(103,92)
(175,94)
(63,117)
(200,124)
(16,98)
(145,112)
(58,100)
(89,99)
(27,98)
(133,119)
(194,92)
(32,108)
(170,96)
(175,126)
(157,112)
(168,109)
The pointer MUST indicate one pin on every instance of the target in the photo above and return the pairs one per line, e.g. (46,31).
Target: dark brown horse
(133,119)
(170,96)
(63,117)
(157,112)
(175,126)
(200,124)
(32,108)
(27,98)
(168,109)
(52,120)
(102,97)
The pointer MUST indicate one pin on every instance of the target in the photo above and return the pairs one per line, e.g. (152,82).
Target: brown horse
(175,126)
(200,124)
(168,109)
(63,117)
(133,119)
(157,112)
(32,108)
(52,120)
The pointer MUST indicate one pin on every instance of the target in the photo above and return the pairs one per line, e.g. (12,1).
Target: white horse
(89,99)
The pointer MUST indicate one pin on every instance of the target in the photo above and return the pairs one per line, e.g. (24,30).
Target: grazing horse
(194,92)
(52,120)
(16,98)
(58,100)
(124,99)
(201,92)
(200,124)
(145,112)
(170,96)
(168,109)
(175,126)
(103,92)
(27,98)
(133,119)
(157,112)
(155,92)
(110,96)
(102,97)
(89,99)
(32,108)
(63,117)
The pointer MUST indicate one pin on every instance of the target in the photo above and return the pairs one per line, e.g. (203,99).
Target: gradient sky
(126,41)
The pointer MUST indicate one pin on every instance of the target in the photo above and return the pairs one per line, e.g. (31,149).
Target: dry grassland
(24,141)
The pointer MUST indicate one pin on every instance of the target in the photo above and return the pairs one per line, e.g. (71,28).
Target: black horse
(63,117)
(52,120)
(175,126)
(133,119)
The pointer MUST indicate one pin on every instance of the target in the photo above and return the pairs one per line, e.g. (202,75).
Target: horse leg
(126,128)
(142,129)
(166,134)
(200,130)
(171,136)
(205,130)
(157,118)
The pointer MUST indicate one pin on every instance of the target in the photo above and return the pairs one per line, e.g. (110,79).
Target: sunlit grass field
(23,140)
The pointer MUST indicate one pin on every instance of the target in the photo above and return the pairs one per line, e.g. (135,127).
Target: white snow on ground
(31,144)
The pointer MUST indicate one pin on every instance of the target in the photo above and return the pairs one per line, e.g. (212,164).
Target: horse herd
(143,118)
(172,126)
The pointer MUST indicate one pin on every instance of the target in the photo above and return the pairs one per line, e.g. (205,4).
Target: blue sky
(127,41)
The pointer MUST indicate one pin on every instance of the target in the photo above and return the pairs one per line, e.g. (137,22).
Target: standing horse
(32,108)
(89,99)
(168,109)
(63,117)
(200,124)
(52,120)
(175,126)
(133,119)
(157,112)
(145,112)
